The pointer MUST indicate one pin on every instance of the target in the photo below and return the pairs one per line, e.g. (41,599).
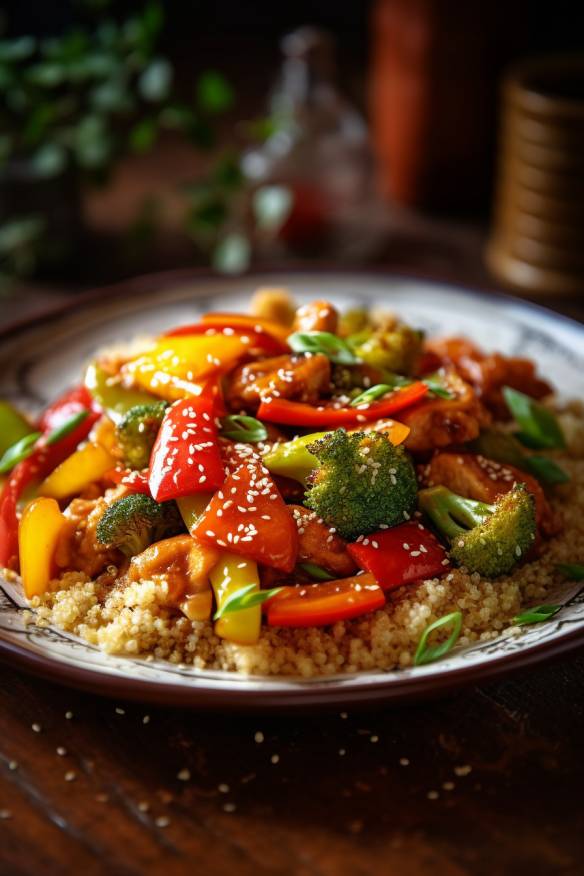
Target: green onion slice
(245,597)
(539,427)
(536,615)
(429,653)
(371,394)
(335,348)
(573,571)
(548,472)
(316,572)
(67,427)
(19,451)
(435,383)
(240,427)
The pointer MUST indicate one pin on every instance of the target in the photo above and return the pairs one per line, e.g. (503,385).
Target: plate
(40,358)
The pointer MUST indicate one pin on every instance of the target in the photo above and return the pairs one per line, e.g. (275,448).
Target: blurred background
(430,136)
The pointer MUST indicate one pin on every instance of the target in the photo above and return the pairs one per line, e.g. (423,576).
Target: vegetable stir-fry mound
(235,481)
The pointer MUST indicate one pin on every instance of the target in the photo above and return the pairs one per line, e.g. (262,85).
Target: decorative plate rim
(319,693)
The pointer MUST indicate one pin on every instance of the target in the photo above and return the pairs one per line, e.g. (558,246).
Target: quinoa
(135,621)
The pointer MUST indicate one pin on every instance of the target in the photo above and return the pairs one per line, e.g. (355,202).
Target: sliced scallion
(245,597)
(371,394)
(536,615)
(572,571)
(67,427)
(435,383)
(429,653)
(546,470)
(539,427)
(239,427)
(316,572)
(335,348)
(18,452)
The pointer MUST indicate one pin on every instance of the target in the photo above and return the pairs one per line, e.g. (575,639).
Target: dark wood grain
(314,811)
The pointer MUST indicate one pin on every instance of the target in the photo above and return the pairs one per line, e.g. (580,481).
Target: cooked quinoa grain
(134,620)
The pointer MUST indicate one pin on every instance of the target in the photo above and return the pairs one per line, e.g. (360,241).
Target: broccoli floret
(395,350)
(489,539)
(363,481)
(137,431)
(133,522)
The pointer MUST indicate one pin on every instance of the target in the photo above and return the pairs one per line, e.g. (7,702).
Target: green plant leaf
(143,135)
(536,615)
(429,653)
(214,93)
(233,254)
(538,424)
(245,597)
(155,81)
(50,160)
(272,206)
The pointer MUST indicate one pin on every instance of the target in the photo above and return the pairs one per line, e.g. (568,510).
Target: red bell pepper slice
(280,410)
(316,605)
(248,514)
(41,462)
(259,338)
(185,458)
(400,555)
(135,481)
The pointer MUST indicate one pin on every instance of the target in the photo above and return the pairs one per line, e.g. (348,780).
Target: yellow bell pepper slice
(38,534)
(175,366)
(82,468)
(231,573)
(191,508)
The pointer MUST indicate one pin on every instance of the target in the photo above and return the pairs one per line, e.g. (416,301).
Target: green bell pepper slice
(115,400)
(13,426)
(293,459)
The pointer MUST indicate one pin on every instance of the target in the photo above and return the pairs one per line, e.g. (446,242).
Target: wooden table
(485,783)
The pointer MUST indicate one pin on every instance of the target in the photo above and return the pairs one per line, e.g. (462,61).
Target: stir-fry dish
(294,491)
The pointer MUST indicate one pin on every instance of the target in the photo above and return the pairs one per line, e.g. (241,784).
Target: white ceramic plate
(40,359)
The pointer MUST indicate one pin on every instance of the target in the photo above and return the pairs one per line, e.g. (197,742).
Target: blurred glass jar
(314,169)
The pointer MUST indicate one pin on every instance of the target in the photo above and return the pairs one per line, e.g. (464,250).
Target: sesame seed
(146,719)
(223,788)
(259,737)
(37,728)
(463,770)
(404,761)
(5,814)
(70,776)
(143,806)
(61,751)
(229,807)
(184,775)
(120,711)
(275,758)
(68,715)
(13,765)
(162,821)
(432,795)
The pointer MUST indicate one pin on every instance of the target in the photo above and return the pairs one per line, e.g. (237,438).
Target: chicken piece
(317,316)
(489,374)
(319,544)
(78,546)
(476,477)
(276,305)
(181,566)
(299,377)
(439,422)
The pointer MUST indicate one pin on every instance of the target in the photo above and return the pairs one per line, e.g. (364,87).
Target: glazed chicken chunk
(300,377)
